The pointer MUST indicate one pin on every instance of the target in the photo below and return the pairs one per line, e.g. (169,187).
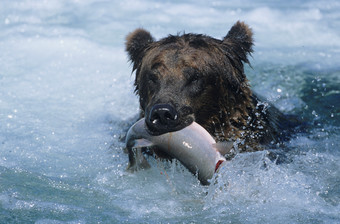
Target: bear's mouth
(157,129)
(164,118)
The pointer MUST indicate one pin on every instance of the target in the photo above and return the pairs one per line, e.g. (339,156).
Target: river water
(66,98)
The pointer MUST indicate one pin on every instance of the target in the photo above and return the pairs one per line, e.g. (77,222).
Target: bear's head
(191,77)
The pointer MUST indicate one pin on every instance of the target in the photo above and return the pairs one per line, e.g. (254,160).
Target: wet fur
(204,78)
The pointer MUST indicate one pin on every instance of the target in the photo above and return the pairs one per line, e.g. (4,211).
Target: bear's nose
(162,118)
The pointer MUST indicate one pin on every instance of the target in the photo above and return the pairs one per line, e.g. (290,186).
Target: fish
(193,146)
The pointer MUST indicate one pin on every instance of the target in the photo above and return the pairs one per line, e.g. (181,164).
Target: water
(66,97)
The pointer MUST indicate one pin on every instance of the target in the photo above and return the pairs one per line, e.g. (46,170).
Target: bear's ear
(240,39)
(136,43)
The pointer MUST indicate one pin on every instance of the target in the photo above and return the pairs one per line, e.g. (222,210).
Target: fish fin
(143,165)
(137,160)
(142,143)
(223,147)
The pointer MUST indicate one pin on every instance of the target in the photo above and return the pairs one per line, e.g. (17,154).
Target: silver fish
(193,146)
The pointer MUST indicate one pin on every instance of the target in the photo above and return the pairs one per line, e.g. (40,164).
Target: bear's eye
(152,79)
(194,84)
(152,83)
(193,79)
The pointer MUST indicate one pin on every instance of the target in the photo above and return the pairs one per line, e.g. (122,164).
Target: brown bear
(194,77)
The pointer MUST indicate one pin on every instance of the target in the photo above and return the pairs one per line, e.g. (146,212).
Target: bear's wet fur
(199,78)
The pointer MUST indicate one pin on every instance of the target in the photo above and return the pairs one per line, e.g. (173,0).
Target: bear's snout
(162,118)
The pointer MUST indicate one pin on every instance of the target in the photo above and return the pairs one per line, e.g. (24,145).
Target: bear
(187,78)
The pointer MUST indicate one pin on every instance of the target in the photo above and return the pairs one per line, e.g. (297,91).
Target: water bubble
(314,113)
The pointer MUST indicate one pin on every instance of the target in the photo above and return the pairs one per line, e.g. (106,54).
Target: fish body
(193,146)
